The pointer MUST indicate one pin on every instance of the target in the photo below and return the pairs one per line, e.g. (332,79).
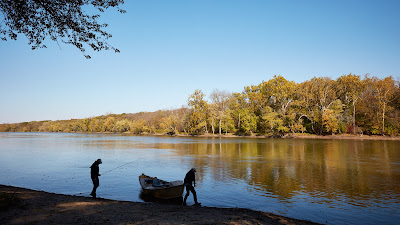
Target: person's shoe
(197,204)
(184,204)
(93,195)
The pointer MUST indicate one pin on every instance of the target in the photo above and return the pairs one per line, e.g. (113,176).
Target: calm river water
(326,181)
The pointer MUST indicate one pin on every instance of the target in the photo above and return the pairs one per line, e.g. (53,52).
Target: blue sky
(171,48)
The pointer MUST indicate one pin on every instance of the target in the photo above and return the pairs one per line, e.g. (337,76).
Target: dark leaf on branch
(58,20)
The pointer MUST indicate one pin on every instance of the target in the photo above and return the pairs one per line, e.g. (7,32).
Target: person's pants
(95,184)
(190,188)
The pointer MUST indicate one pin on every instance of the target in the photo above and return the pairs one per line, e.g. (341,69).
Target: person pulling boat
(189,179)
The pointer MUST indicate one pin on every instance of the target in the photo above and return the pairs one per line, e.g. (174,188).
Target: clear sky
(171,48)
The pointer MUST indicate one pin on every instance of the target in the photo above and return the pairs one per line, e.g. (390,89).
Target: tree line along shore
(351,104)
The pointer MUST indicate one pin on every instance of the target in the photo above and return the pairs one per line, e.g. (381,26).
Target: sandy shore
(38,207)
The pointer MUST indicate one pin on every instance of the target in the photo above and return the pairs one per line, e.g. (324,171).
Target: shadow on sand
(46,208)
(150,198)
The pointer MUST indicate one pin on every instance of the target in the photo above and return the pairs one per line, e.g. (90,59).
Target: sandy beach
(25,206)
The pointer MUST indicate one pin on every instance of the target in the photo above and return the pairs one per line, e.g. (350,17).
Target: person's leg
(194,194)
(187,194)
(95,185)
(93,189)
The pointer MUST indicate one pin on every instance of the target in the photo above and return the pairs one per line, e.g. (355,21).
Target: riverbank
(344,137)
(25,206)
(287,136)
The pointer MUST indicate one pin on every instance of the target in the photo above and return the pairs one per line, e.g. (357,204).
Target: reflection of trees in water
(330,169)
(118,144)
(281,167)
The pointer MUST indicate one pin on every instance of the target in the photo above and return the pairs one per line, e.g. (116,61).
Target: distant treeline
(349,104)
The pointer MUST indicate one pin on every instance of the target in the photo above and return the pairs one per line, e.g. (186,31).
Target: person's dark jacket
(94,170)
(190,177)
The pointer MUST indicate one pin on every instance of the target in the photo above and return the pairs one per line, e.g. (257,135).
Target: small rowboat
(161,189)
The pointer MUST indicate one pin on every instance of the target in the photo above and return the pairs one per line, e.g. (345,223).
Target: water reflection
(358,170)
(362,173)
(327,181)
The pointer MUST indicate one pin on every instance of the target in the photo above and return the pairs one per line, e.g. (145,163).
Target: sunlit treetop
(63,21)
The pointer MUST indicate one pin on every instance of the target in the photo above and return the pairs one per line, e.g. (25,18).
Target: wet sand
(39,207)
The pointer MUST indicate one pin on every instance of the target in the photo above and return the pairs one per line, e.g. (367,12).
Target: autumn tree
(254,98)
(198,115)
(109,124)
(65,21)
(248,121)
(171,122)
(279,93)
(220,100)
(236,104)
(212,116)
(272,124)
(138,126)
(95,125)
(384,91)
(182,116)
(330,118)
(122,125)
(394,126)
(350,90)
(228,123)
(316,96)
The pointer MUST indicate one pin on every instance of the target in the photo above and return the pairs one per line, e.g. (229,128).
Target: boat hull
(174,189)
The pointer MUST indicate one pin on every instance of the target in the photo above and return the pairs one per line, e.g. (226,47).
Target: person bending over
(189,179)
